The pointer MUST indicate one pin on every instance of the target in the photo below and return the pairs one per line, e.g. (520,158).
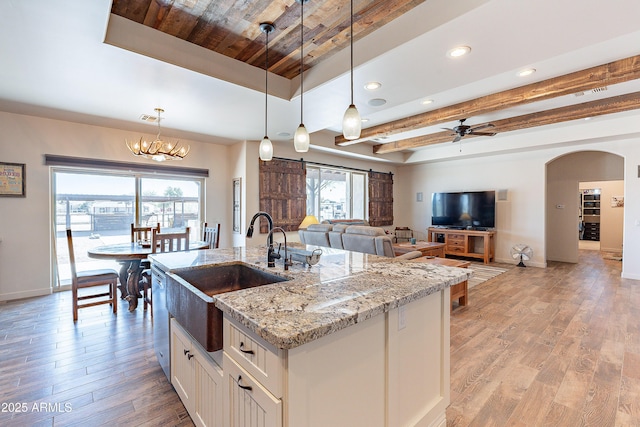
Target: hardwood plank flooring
(548,347)
(558,346)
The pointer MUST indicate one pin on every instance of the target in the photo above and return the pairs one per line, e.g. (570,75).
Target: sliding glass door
(100,207)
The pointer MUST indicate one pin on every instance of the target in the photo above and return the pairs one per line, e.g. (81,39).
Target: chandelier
(158,150)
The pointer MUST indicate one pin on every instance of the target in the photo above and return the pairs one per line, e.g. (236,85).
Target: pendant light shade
(351,123)
(266,147)
(301,138)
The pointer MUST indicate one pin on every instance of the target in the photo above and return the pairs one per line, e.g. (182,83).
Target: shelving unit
(463,242)
(590,214)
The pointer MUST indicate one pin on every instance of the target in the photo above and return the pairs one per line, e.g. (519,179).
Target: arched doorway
(564,174)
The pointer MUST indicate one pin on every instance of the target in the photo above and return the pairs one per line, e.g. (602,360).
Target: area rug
(482,273)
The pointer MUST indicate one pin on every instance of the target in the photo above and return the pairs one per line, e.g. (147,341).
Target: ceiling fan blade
(486,125)
(457,138)
(483,133)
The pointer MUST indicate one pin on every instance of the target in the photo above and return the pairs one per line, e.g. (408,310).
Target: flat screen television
(464,210)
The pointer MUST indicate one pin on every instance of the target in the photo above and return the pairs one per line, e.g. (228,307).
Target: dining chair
(90,278)
(211,235)
(162,242)
(142,234)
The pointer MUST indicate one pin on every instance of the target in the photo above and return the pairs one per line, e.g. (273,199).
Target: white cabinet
(196,378)
(391,370)
(388,371)
(248,403)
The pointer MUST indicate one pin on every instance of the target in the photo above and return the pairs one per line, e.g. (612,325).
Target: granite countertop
(343,289)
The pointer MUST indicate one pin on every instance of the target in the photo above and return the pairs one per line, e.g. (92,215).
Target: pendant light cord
(301,59)
(266,83)
(351,37)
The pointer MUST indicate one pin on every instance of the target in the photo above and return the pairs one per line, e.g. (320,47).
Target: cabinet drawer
(261,359)
(247,402)
(451,238)
(455,249)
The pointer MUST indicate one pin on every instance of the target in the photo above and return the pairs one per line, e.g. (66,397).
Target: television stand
(463,242)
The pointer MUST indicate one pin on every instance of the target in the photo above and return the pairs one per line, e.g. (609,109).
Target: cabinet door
(182,369)
(207,396)
(249,404)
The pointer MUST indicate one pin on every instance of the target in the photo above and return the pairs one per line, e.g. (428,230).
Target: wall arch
(563,175)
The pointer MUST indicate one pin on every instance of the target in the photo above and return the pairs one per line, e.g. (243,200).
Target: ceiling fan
(463,130)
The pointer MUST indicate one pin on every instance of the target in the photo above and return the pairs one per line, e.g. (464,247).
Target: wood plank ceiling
(231,28)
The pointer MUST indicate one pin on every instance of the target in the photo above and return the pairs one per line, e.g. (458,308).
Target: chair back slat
(142,234)
(211,235)
(170,242)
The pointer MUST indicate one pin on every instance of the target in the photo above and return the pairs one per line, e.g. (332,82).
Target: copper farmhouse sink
(190,301)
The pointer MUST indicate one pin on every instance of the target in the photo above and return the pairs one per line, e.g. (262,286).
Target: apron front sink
(190,294)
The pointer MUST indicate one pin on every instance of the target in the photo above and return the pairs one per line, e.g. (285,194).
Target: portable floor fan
(524,252)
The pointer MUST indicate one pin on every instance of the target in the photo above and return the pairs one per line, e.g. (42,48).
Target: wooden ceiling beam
(580,81)
(599,107)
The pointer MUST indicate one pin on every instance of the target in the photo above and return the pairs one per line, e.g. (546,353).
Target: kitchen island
(355,340)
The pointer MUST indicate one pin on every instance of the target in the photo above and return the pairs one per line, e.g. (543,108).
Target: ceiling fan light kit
(158,149)
(463,130)
(266,147)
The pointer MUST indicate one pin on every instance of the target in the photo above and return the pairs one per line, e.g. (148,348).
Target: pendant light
(301,137)
(351,123)
(266,147)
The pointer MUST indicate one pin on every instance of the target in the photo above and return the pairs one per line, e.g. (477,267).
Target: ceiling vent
(148,118)
(592,91)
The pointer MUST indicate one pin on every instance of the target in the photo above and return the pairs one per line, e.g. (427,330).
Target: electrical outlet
(402,317)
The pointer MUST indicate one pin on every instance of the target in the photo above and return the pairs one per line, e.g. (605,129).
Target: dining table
(129,256)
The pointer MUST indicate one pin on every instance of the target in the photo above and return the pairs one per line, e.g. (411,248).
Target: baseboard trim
(28,294)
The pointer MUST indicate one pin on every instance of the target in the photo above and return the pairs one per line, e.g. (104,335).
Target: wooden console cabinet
(463,242)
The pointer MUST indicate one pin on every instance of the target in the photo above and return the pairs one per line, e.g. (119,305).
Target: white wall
(25,229)
(520,219)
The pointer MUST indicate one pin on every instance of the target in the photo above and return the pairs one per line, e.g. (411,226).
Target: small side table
(459,291)
(427,248)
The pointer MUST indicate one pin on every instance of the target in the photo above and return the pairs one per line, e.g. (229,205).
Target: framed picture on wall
(12,180)
(617,201)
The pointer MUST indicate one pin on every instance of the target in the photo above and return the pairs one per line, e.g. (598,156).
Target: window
(336,193)
(100,206)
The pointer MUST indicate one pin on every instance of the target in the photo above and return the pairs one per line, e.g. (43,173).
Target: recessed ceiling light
(426,101)
(373,85)
(458,51)
(377,102)
(284,134)
(364,120)
(526,72)
(587,118)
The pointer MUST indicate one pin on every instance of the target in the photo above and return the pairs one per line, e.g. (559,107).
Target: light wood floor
(557,346)
(548,347)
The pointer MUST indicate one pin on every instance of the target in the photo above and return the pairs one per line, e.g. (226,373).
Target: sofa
(357,238)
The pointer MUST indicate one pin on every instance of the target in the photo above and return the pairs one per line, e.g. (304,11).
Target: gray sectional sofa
(357,238)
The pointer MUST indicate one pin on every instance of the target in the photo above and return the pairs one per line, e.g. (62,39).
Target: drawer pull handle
(245,351)
(186,352)
(244,387)
(189,356)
